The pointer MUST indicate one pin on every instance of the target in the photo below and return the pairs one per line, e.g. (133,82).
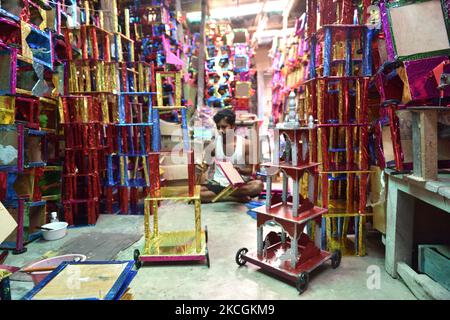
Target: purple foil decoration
(244,76)
(422,83)
(387,31)
(380,86)
(240,49)
(276,61)
(301,47)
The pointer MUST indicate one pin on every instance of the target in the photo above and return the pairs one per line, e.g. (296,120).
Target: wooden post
(424,131)
(259,241)
(294,248)
(285,188)
(268,192)
(295,197)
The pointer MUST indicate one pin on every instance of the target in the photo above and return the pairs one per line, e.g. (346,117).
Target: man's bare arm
(249,167)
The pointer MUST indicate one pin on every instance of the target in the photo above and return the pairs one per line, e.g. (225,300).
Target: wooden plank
(82,282)
(127,295)
(175,193)
(435,262)
(399,226)
(445,192)
(443,250)
(422,286)
(7,223)
(428,140)
(424,127)
(99,246)
(224,193)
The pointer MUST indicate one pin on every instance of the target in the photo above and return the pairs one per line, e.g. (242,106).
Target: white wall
(263,65)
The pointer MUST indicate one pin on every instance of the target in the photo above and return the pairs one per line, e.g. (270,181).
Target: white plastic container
(54,217)
(59,230)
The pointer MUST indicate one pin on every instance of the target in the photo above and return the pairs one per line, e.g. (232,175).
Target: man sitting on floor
(237,151)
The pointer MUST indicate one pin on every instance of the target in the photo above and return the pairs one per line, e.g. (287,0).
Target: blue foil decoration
(312,68)
(367,60)
(327,53)
(348,53)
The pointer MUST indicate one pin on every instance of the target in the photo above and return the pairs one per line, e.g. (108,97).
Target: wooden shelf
(175,193)
(284,212)
(284,165)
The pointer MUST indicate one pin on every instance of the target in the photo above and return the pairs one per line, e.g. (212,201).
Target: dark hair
(226,114)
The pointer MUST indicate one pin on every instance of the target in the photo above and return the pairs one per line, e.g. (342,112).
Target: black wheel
(302,282)
(137,261)
(241,252)
(207,258)
(206,234)
(336,259)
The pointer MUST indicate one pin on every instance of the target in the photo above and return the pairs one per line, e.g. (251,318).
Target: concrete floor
(229,228)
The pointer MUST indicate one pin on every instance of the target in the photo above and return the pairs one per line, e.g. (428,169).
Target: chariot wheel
(137,261)
(207,258)
(336,259)
(302,282)
(239,260)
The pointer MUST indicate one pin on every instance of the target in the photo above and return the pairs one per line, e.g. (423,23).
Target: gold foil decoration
(147,226)
(7,110)
(25,30)
(198,233)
